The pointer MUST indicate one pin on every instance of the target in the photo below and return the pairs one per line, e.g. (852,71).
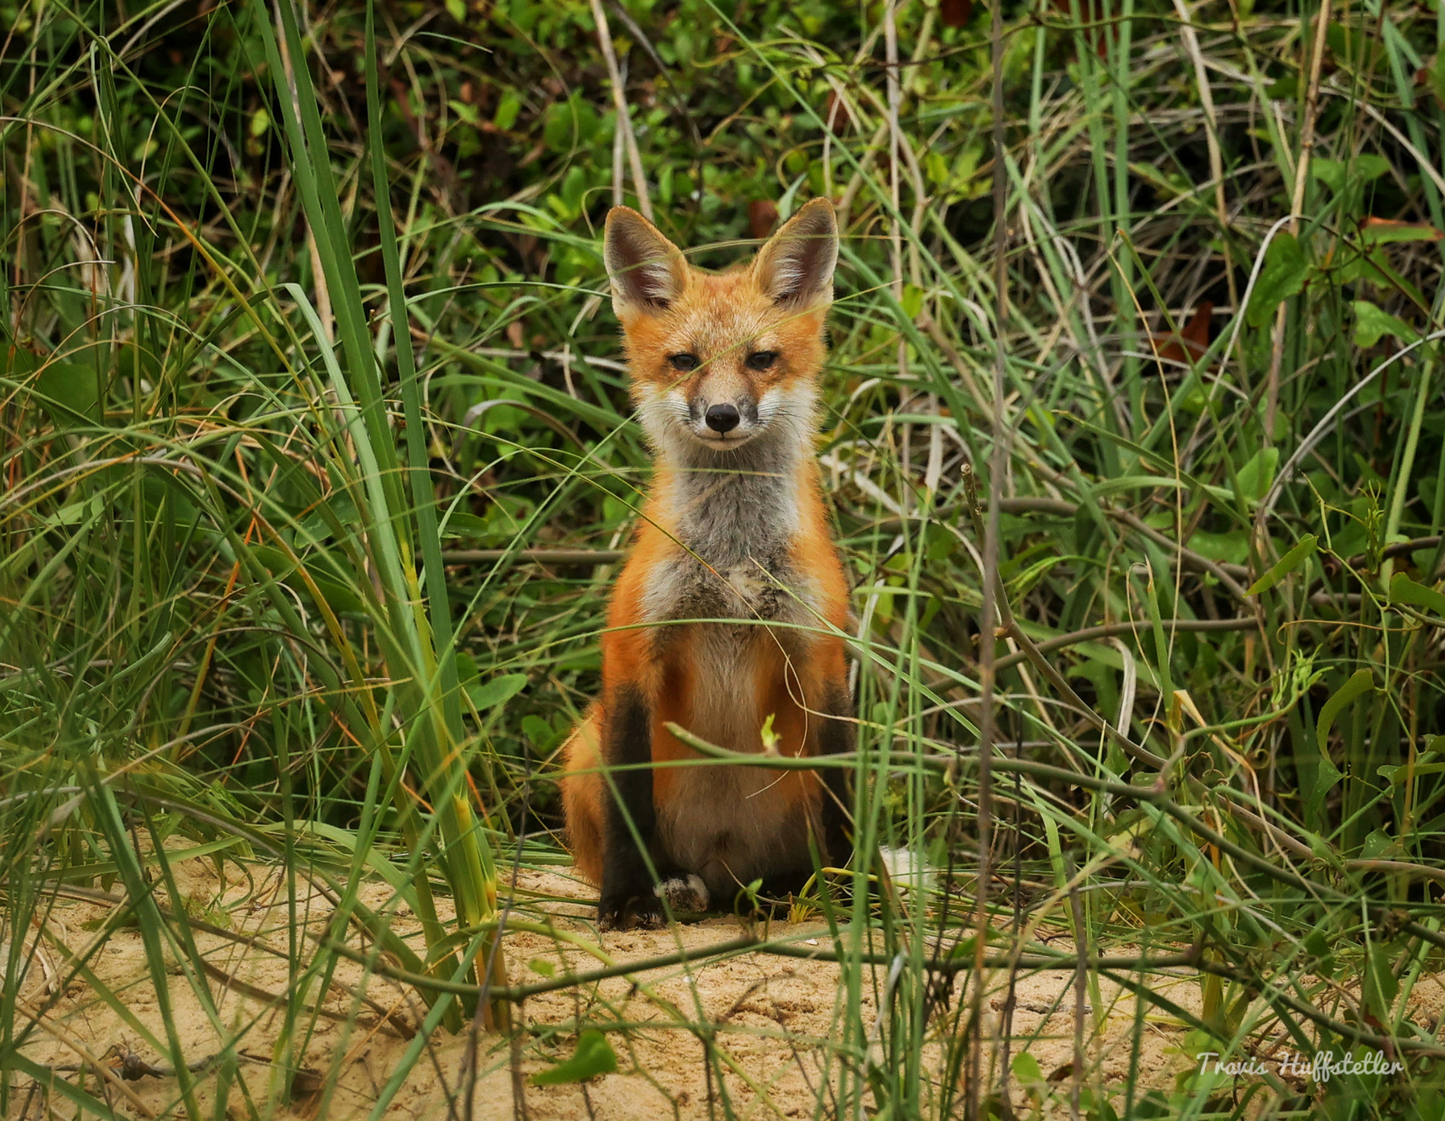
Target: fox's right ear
(647,271)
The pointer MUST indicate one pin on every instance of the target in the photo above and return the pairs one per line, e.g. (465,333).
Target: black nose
(722,418)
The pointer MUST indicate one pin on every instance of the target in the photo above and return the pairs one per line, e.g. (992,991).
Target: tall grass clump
(317,464)
(225,614)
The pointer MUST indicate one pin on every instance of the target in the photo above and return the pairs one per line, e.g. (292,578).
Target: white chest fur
(733,571)
(734,522)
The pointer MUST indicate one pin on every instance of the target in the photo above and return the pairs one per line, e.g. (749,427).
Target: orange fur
(733,527)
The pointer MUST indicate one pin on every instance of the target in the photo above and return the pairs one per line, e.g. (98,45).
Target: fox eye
(762,359)
(683,361)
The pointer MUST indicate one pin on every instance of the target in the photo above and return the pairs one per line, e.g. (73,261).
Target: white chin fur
(733,439)
(661,415)
(787,413)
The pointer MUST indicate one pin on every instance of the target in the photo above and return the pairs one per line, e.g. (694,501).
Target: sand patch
(751,1033)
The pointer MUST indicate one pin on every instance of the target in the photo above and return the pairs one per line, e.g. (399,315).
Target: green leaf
(1340,41)
(1026,1068)
(16,362)
(941,544)
(1368,168)
(539,733)
(459,523)
(499,689)
(1231,547)
(72,389)
(1371,323)
(457,9)
(1318,946)
(1430,762)
(1378,231)
(1379,845)
(136,361)
(1329,172)
(1374,268)
(1380,987)
(1405,590)
(1339,174)
(1286,564)
(73,513)
(508,106)
(1361,681)
(341,599)
(770,737)
(594,1056)
(1284,274)
(1256,475)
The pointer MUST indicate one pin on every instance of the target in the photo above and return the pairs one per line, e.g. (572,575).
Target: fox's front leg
(629,819)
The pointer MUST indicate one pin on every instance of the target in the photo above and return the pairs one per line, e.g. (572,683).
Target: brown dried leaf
(1189,344)
(836,114)
(762,217)
(1091,12)
(955,13)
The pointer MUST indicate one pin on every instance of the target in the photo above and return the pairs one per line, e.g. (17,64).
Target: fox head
(723,360)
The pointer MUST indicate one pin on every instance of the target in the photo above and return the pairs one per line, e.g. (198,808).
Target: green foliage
(594,1056)
(309,399)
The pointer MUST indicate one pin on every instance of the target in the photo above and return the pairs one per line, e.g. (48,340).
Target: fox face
(720,361)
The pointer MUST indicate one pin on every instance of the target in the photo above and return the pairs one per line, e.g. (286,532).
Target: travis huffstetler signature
(1320,1069)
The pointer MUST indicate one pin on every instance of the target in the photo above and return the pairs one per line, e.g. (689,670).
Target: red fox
(734,537)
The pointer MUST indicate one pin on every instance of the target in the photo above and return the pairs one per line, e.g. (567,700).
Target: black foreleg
(630,819)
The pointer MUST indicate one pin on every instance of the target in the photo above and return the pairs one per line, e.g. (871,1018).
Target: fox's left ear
(796,266)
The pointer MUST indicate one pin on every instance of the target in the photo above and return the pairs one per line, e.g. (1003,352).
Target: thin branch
(712,954)
(993,607)
(571,558)
(1108,630)
(619,102)
(1228,575)
(1398,549)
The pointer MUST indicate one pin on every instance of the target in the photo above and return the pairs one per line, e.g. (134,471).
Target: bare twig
(1398,549)
(619,101)
(570,558)
(1081,983)
(712,954)
(993,607)
(1108,630)
(111,1076)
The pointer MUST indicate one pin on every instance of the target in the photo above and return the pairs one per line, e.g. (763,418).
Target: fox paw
(684,893)
(629,913)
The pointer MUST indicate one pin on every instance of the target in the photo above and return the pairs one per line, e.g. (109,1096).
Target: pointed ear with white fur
(796,266)
(647,271)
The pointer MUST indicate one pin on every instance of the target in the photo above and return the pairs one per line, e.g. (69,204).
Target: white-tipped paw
(906,869)
(684,893)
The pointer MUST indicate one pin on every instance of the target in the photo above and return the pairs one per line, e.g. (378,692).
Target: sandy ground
(773,1021)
